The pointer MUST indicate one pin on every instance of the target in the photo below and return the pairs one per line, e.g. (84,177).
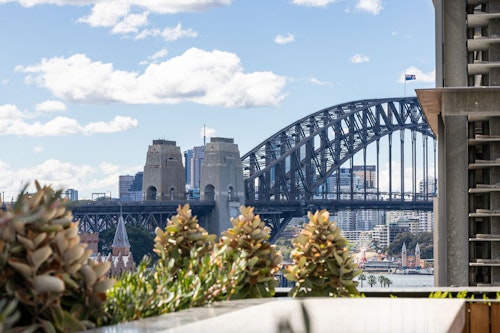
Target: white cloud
(62,175)
(126,16)
(396,177)
(106,14)
(359,58)
(168,34)
(429,77)
(51,106)
(281,39)
(313,3)
(118,124)
(317,82)
(37,149)
(198,76)
(108,168)
(130,23)
(10,111)
(155,57)
(159,54)
(156,6)
(371,6)
(50,172)
(13,123)
(4,82)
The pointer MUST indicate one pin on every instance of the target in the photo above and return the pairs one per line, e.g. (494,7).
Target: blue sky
(86,85)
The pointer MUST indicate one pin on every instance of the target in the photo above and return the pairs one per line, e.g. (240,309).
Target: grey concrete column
(456,210)
(454,56)
(440,243)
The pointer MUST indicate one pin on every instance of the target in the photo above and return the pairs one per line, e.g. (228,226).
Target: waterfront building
(410,261)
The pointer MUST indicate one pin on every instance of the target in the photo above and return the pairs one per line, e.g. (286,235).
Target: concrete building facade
(464,112)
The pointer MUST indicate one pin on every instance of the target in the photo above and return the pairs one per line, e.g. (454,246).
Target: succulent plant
(45,268)
(182,234)
(322,265)
(136,295)
(247,239)
(9,314)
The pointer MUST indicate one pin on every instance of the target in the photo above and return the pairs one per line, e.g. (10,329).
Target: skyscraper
(367,174)
(124,183)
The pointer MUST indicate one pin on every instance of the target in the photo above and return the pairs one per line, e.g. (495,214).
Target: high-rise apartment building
(193,160)
(130,187)
(124,183)
(367,174)
(188,156)
(71,194)
(464,112)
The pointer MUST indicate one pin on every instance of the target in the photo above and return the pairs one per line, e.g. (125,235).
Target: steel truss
(294,164)
(96,216)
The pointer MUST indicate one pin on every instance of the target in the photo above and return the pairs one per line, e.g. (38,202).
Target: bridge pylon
(164,173)
(221,181)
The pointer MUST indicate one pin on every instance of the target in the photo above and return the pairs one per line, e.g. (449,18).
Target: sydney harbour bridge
(300,169)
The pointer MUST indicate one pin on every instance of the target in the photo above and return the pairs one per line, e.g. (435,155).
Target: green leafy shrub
(322,265)
(45,268)
(9,314)
(191,271)
(182,234)
(247,240)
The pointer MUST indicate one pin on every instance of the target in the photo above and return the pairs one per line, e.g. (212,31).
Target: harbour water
(401,280)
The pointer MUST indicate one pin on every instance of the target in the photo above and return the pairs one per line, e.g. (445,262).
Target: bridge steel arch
(294,164)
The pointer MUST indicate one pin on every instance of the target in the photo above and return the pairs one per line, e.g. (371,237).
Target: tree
(424,240)
(361,278)
(381,280)
(372,280)
(141,242)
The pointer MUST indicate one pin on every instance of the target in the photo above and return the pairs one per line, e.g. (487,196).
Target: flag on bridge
(409,77)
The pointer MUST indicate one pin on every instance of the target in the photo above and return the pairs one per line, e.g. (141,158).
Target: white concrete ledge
(326,315)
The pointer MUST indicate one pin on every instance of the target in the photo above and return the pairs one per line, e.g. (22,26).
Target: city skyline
(87,87)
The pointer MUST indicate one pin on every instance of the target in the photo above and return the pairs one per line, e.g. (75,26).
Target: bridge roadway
(95,216)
